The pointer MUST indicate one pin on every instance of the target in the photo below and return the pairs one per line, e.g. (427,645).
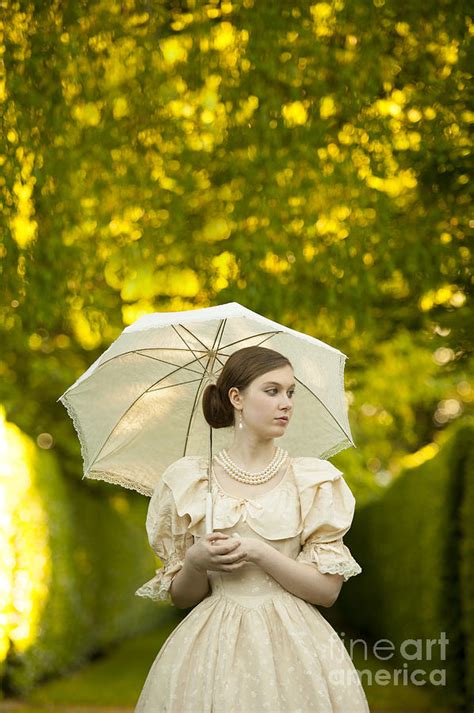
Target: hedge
(415,545)
(73,553)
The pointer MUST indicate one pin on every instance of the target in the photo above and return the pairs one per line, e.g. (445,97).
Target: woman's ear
(234,397)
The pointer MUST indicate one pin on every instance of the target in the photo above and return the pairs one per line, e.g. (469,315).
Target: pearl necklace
(244,476)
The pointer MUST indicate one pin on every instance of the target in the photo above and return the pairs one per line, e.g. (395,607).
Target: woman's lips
(282,420)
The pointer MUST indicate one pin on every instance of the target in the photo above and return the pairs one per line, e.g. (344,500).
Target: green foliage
(307,160)
(466,562)
(114,679)
(75,555)
(415,548)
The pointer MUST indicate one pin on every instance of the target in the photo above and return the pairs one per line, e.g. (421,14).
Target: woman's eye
(269,391)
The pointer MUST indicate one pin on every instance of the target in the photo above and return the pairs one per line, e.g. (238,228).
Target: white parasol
(137,408)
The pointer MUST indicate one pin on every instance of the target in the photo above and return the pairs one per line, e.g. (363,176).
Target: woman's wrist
(259,554)
(190,585)
(192,564)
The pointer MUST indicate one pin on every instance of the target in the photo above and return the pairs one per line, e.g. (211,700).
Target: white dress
(251,646)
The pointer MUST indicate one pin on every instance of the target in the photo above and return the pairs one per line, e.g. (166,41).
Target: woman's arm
(216,552)
(189,585)
(300,578)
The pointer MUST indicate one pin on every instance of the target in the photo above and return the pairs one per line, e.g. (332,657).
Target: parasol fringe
(116,479)
(342,445)
(77,427)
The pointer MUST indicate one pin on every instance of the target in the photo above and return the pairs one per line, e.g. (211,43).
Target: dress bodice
(305,516)
(250,585)
(258,516)
(273,515)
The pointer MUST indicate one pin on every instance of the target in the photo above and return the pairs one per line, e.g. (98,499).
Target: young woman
(254,639)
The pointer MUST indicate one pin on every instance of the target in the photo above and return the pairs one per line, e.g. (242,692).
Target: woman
(254,640)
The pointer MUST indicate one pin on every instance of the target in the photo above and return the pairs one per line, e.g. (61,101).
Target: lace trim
(158,588)
(348,568)
(107,476)
(149,591)
(116,479)
(80,434)
(345,442)
(339,562)
(342,445)
(345,568)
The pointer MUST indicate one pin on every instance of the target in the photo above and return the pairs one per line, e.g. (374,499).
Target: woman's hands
(220,552)
(252,547)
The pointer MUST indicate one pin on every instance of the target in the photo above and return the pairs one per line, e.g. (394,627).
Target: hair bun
(216,413)
(240,369)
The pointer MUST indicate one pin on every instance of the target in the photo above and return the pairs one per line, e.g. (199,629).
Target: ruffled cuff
(330,558)
(158,588)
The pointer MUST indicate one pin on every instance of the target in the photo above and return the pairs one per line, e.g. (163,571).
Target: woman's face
(265,399)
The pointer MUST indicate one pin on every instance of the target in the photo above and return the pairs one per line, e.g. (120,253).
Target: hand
(217,552)
(252,547)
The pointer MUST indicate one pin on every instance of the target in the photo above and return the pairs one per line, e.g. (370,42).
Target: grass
(113,682)
(392,698)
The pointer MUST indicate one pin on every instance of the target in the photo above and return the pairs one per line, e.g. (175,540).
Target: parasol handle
(209,525)
(209,514)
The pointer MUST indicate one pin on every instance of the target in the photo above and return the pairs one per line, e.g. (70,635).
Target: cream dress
(251,646)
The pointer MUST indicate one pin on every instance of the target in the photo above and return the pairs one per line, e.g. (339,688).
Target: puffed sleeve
(169,538)
(327,520)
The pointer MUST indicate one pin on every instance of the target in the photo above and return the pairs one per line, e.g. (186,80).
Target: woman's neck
(251,456)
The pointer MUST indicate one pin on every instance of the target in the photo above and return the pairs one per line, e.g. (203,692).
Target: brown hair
(240,369)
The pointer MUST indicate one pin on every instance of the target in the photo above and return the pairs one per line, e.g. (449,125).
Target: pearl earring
(240,423)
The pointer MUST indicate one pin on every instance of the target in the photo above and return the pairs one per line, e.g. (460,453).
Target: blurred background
(307,160)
